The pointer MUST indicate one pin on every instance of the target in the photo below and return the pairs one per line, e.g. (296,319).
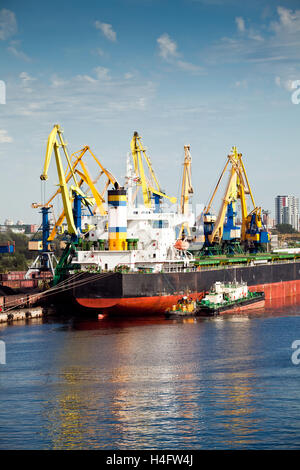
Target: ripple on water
(153,384)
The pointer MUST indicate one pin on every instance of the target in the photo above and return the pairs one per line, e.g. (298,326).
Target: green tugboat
(222,298)
(229,298)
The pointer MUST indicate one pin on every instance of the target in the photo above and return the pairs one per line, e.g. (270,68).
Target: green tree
(285,228)
(22,257)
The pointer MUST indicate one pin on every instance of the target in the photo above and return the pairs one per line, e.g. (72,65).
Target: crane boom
(52,141)
(55,141)
(53,145)
(139,169)
(186,189)
(64,192)
(148,187)
(230,192)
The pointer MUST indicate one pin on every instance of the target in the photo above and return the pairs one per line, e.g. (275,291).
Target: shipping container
(13,276)
(20,284)
(35,245)
(7,247)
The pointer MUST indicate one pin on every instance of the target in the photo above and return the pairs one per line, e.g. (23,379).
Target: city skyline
(210,74)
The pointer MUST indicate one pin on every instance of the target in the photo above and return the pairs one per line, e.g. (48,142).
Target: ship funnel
(117,219)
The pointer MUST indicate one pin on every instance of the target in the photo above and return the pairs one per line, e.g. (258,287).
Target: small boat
(185,307)
(230,297)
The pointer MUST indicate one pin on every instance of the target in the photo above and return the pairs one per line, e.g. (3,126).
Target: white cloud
(25,77)
(287,84)
(31,109)
(167,47)
(93,94)
(188,67)
(250,32)
(141,102)
(253,35)
(106,30)
(273,45)
(128,76)
(26,81)
(57,81)
(17,52)
(8,24)
(241,84)
(102,73)
(85,78)
(168,51)
(99,52)
(289,21)
(4,137)
(240,24)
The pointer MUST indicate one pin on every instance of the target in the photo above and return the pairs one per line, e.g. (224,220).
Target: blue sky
(209,73)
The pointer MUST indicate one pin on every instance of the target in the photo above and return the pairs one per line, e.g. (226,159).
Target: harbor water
(229,382)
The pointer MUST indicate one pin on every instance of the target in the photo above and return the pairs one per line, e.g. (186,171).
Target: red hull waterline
(254,306)
(279,291)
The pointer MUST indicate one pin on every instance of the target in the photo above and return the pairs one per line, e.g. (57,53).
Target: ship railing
(238,265)
(176,269)
(179,269)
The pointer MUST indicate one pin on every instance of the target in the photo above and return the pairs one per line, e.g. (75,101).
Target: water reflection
(232,390)
(150,385)
(155,383)
(66,429)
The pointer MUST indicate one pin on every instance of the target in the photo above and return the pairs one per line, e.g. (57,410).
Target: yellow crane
(55,141)
(186,190)
(237,188)
(149,184)
(230,196)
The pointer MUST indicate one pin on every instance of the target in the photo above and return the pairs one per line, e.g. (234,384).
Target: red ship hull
(135,305)
(159,304)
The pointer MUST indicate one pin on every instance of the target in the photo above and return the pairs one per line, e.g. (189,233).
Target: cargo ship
(142,293)
(139,257)
(137,267)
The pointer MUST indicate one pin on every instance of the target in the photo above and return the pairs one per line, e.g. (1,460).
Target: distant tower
(287,211)
(266,217)
(8,222)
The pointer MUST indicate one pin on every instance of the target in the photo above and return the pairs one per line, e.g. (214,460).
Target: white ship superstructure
(224,292)
(150,235)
